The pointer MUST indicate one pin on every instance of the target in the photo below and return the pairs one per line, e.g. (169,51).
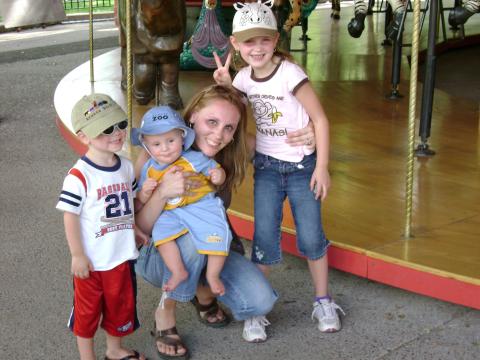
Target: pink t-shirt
(276,109)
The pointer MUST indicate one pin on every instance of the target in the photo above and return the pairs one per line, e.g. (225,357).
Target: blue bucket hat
(159,120)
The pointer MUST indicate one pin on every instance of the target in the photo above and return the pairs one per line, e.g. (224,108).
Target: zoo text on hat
(94,113)
(159,120)
(254,19)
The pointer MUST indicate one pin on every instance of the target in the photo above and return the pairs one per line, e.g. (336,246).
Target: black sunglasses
(122,125)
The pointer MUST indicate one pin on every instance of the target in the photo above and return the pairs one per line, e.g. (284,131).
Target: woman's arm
(251,142)
(141,160)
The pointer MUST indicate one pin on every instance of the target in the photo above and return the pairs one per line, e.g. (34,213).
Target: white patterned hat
(254,19)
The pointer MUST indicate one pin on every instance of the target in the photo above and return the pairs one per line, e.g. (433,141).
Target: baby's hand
(217,176)
(81,266)
(320,182)
(147,189)
(222,74)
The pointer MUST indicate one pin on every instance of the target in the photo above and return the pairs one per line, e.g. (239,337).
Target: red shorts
(110,294)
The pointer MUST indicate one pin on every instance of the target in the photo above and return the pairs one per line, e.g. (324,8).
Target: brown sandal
(162,337)
(135,355)
(211,310)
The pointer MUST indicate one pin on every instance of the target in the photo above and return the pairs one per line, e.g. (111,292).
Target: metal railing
(83,5)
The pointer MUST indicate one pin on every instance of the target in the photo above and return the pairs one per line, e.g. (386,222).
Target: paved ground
(35,286)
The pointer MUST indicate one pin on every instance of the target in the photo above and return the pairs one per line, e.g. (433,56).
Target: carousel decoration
(307,7)
(157,33)
(461,13)
(208,36)
(357,24)
(335,9)
(211,33)
(294,15)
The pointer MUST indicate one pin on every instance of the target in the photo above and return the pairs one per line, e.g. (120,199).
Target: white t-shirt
(276,109)
(103,199)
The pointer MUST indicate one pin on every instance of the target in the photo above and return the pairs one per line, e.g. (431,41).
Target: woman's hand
(320,182)
(302,137)
(222,74)
(176,183)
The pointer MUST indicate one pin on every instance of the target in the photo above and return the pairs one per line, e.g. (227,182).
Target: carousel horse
(209,35)
(290,13)
(307,7)
(357,24)
(158,30)
(297,11)
(294,14)
(210,32)
(460,14)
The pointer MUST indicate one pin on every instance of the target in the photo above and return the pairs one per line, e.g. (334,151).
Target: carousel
(404,206)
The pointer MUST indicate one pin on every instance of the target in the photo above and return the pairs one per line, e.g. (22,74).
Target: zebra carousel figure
(461,13)
(357,24)
(335,10)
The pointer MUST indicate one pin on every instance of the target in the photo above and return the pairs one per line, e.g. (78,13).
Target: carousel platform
(364,214)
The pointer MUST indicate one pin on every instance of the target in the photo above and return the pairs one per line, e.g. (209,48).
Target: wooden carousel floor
(364,214)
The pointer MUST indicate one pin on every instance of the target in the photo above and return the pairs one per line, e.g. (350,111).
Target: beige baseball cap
(94,113)
(254,19)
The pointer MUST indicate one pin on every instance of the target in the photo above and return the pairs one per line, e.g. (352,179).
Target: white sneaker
(325,311)
(254,329)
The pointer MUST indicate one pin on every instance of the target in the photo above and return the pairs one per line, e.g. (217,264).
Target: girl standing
(283,101)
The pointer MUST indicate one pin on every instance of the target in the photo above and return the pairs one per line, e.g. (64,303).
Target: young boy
(167,140)
(97,201)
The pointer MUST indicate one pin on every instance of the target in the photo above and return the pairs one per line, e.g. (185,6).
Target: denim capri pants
(274,181)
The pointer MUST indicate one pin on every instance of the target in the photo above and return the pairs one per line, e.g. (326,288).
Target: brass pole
(90,37)
(411,118)
(129,70)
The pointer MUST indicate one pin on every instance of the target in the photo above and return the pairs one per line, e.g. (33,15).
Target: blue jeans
(275,180)
(247,291)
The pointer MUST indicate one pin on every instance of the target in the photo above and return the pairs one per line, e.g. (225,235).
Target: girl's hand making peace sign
(222,74)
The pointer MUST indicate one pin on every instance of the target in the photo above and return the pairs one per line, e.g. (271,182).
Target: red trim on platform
(345,260)
(70,138)
(424,283)
(403,277)
(243,228)
(349,261)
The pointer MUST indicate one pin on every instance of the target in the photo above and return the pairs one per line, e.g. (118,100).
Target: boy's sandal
(211,311)
(162,336)
(135,355)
